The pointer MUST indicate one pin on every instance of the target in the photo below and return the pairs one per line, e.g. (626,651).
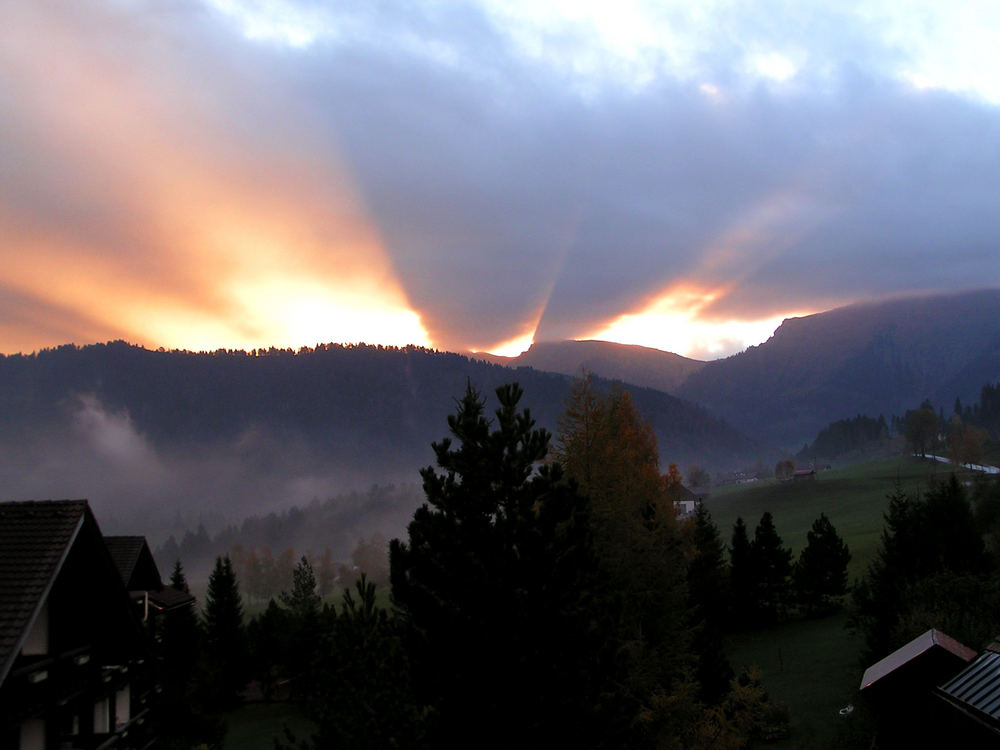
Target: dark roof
(125,551)
(168,598)
(686,495)
(977,687)
(932,640)
(134,561)
(139,573)
(35,538)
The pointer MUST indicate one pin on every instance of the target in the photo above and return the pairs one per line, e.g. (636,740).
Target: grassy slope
(853,498)
(812,666)
(255,726)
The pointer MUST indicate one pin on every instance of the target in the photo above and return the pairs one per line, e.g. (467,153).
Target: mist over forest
(163,441)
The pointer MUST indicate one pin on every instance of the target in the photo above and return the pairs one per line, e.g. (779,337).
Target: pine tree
(362,698)
(922,538)
(303,622)
(177,578)
(771,564)
(179,647)
(708,602)
(820,575)
(269,637)
(495,583)
(742,579)
(225,648)
(303,601)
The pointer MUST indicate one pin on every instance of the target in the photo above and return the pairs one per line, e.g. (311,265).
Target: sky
(205,174)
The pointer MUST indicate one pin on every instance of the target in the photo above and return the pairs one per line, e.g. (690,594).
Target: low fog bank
(136,487)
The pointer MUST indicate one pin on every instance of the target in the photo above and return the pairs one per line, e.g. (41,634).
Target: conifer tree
(362,698)
(708,602)
(495,582)
(302,605)
(923,538)
(179,646)
(742,580)
(771,564)
(225,650)
(178,579)
(303,601)
(269,636)
(820,575)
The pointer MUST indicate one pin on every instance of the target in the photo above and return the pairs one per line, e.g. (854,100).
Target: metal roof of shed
(978,685)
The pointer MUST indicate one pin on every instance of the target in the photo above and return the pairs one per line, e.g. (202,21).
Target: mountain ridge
(638,365)
(204,432)
(879,357)
(873,357)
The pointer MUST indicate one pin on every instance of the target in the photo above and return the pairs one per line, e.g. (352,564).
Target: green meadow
(812,666)
(853,498)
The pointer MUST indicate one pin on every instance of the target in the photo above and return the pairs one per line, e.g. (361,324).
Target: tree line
(375,407)
(937,566)
(766,585)
(962,434)
(283,536)
(544,593)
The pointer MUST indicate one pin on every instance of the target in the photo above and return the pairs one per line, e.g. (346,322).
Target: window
(102,720)
(122,706)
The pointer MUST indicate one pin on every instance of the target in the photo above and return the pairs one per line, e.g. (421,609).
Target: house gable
(75,661)
(35,540)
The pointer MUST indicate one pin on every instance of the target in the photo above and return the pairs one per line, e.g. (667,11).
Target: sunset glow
(173,241)
(672,323)
(300,312)
(464,176)
(515,346)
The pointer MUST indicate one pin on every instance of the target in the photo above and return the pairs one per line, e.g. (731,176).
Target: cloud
(236,174)
(135,484)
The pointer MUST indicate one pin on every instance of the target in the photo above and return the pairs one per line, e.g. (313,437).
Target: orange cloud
(674,322)
(158,218)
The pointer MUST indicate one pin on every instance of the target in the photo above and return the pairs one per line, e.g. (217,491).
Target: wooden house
(899,690)
(76,659)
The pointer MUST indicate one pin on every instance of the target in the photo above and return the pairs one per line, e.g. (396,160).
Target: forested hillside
(878,358)
(229,433)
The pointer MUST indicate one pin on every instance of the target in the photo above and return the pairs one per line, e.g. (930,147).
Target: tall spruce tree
(177,578)
(708,602)
(225,649)
(180,722)
(496,582)
(302,605)
(923,538)
(820,574)
(742,579)
(362,696)
(771,564)
(270,636)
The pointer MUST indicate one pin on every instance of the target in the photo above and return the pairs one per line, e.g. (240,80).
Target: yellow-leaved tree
(611,451)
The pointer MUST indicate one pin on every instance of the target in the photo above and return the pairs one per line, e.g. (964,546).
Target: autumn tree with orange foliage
(606,446)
